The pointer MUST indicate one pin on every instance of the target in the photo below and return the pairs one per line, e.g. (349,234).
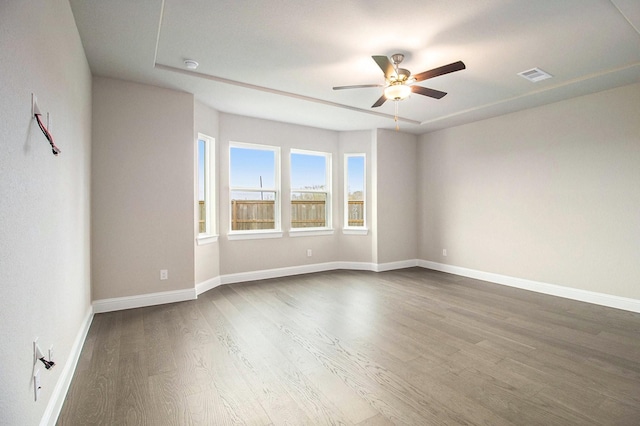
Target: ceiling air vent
(534,75)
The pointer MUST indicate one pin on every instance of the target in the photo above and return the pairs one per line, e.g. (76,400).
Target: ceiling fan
(399,82)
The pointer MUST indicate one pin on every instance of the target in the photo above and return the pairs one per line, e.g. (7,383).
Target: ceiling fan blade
(379,102)
(445,69)
(357,86)
(432,93)
(385,65)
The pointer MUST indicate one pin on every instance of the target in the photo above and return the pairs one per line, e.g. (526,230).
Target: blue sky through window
(308,171)
(201,161)
(248,165)
(355,174)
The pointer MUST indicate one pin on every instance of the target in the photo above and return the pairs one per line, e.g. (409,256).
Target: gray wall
(143,189)
(550,194)
(396,190)
(44,200)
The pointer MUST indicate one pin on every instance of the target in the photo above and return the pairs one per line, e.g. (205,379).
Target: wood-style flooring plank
(287,386)
(208,406)
(347,363)
(133,398)
(96,395)
(366,389)
(262,396)
(158,355)
(167,405)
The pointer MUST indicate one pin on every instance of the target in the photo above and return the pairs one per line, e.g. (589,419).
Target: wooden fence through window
(260,214)
(202,225)
(356,213)
(252,214)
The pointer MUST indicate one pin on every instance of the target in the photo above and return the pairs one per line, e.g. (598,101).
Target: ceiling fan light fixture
(397,92)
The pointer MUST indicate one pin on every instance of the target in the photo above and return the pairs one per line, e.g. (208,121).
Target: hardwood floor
(412,347)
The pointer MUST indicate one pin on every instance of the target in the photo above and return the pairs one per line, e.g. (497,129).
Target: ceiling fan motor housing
(403,75)
(397,58)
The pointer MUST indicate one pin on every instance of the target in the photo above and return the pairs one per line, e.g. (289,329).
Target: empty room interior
(323,212)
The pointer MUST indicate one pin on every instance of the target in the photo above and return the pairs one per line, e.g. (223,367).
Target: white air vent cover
(534,75)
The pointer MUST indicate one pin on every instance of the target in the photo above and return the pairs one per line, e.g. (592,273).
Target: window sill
(253,235)
(204,239)
(309,232)
(355,231)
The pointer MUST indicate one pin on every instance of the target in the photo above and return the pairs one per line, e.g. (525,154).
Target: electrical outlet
(164,274)
(444,252)
(309,253)
(36,385)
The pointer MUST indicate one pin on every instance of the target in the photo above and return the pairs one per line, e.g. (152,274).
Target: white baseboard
(138,301)
(278,272)
(317,267)
(390,266)
(207,285)
(602,299)
(51,413)
(357,266)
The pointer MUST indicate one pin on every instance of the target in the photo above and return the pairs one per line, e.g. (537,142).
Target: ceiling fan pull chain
(395,118)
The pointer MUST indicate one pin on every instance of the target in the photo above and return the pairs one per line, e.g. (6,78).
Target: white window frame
(320,230)
(210,235)
(347,229)
(258,233)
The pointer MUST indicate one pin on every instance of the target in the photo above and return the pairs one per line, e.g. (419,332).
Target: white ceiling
(279,59)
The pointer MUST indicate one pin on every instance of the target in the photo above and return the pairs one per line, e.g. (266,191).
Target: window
(254,188)
(354,191)
(310,189)
(205,156)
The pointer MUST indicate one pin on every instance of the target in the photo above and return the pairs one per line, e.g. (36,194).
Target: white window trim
(253,233)
(320,230)
(210,235)
(204,239)
(309,232)
(355,230)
